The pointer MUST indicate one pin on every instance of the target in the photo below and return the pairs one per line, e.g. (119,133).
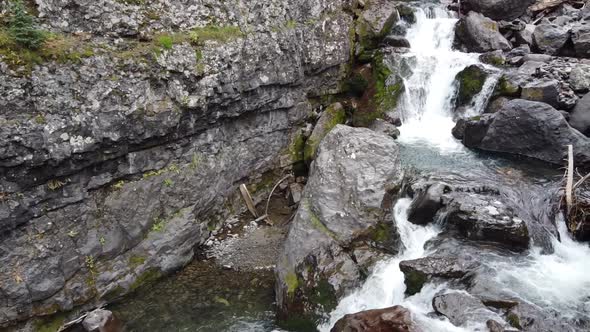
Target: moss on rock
(506,88)
(414,281)
(470,83)
(332,116)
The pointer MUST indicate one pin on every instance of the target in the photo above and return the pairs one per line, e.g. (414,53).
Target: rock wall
(116,161)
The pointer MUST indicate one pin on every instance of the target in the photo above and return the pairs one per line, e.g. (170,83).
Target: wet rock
(393,319)
(528,317)
(426,204)
(470,83)
(477,33)
(529,129)
(495,58)
(581,39)
(419,271)
(521,50)
(461,308)
(483,218)
(525,36)
(580,116)
(101,320)
(494,326)
(498,9)
(509,85)
(542,91)
(384,127)
(346,203)
(579,78)
(496,104)
(332,116)
(396,41)
(550,38)
(458,130)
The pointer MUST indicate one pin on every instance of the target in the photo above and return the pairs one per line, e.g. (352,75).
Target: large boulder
(393,319)
(528,129)
(581,39)
(546,91)
(580,116)
(498,9)
(477,33)
(483,218)
(550,38)
(343,215)
(478,210)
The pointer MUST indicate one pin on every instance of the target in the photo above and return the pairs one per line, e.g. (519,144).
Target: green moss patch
(471,81)
(147,277)
(331,117)
(414,282)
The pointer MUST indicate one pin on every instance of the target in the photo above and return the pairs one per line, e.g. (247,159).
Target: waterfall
(385,287)
(560,280)
(427,104)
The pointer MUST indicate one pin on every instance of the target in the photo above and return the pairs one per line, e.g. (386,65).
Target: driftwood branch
(248,199)
(569,187)
(582,180)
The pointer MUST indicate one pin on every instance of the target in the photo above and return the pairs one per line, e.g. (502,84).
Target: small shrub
(22,27)
(166,42)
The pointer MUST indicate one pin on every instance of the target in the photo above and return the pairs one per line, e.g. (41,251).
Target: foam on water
(385,287)
(560,281)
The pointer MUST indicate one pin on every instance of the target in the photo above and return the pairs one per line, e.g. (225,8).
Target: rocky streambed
(420,144)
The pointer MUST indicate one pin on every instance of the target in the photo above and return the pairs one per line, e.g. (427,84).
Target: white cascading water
(560,281)
(426,105)
(385,287)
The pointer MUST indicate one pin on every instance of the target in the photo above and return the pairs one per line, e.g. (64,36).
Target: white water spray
(426,106)
(385,287)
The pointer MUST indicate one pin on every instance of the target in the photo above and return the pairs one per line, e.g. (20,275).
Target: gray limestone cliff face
(115,166)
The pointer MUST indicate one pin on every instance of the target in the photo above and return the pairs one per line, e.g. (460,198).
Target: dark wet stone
(530,129)
(460,308)
(394,319)
(426,204)
(418,271)
(396,41)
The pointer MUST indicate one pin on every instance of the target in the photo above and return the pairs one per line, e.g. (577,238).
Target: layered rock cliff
(124,138)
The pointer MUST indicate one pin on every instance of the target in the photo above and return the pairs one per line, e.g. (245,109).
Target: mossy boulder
(336,219)
(332,116)
(470,82)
